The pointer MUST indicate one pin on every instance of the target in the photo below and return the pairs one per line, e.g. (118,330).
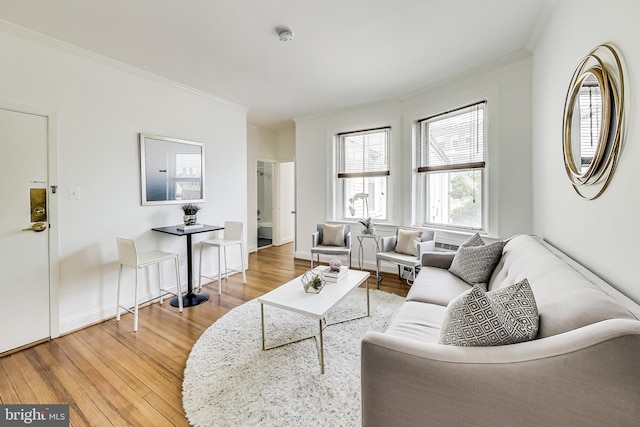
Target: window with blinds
(363,168)
(451,157)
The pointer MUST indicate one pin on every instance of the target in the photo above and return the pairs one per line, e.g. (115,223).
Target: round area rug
(230,381)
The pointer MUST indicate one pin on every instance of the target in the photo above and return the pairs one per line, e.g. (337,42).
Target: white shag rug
(230,381)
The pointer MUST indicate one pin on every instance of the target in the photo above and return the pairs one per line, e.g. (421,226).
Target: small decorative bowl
(313,282)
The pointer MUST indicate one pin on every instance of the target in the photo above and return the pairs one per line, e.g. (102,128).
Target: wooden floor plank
(111,376)
(7,392)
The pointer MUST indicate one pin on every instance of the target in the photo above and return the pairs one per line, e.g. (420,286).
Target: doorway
(265,194)
(25,230)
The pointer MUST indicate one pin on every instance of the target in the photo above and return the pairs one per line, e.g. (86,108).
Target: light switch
(74,193)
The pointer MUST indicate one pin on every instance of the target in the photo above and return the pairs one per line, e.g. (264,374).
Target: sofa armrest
(588,376)
(427,246)
(437,259)
(314,239)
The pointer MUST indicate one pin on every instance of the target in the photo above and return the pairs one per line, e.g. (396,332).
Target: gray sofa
(583,368)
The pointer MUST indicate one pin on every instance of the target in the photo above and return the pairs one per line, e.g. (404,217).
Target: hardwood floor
(111,376)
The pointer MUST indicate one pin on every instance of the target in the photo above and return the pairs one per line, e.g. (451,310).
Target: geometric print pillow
(504,316)
(474,264)
(474,240)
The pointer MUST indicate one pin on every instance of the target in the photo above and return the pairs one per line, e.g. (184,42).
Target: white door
(286,193)
(24,255)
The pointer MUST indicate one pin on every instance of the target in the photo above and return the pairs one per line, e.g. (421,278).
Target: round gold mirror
(592,122)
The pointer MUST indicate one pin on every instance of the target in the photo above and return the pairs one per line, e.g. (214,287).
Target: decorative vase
(312,281)
(369,230)
(190,219)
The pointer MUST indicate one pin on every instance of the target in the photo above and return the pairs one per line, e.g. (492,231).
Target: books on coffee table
(333,276)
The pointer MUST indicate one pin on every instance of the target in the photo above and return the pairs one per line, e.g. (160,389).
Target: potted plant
(190,211)
(313,282)
(369,226)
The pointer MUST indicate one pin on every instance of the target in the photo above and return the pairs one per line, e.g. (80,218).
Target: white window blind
(364,153)
(452,140)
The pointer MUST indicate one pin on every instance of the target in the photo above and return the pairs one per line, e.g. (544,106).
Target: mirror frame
(148,143)
(604,64)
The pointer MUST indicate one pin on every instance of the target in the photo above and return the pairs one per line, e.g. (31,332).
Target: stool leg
(118,294)
(160,284)
(178,285)
(220,270)
(244,276)
(135,307)
(200,268)
(226,270)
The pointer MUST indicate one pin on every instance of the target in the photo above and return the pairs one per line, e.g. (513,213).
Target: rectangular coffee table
(292,297)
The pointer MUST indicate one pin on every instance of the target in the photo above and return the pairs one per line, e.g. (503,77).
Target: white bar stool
(232,236)
(129,256)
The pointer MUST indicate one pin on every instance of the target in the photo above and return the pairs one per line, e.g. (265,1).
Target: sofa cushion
(505,316)
(417,320)
(332,235)
(436,286)
(407,241)
(474,264)
(566,299)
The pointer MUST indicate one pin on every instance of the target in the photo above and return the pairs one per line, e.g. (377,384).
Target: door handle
(37,227)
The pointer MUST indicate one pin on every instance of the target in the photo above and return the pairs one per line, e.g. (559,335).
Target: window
(363,169)
(451,158)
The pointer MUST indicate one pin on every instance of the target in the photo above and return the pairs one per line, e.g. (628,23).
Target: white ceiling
(344,53)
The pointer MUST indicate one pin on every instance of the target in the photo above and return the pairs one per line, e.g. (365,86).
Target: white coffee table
(292,297)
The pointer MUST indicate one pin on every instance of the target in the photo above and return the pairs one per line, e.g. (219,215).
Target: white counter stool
(129,256)
(232,236)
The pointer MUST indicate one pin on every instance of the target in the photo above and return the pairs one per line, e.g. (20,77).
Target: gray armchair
(405,249)
(341,247)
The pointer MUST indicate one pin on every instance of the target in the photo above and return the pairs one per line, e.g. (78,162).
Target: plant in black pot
(190,211)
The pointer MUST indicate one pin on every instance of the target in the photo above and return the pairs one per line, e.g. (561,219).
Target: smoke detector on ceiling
(285,34)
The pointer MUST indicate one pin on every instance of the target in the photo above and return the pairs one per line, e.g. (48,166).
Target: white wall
(506,85)
(601,234)
(100,107)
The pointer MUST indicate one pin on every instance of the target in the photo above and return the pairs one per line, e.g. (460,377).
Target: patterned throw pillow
(505,316)
(407,241)
(474,264)
(474,240)
(332,235)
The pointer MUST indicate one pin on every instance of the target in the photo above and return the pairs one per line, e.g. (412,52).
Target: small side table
(361,237)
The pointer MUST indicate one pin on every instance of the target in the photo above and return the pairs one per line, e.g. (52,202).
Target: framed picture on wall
(171,170)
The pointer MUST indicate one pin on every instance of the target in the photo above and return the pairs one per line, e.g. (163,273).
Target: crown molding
(29,34)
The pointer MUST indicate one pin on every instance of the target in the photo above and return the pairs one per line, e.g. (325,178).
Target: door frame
(52,205)
(274,197)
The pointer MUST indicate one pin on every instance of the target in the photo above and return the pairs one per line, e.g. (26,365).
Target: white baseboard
(84,320)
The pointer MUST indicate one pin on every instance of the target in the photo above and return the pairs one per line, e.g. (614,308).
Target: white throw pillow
(332,235)
(407,241)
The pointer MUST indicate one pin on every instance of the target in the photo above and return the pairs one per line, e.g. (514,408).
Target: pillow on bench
(507,315)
